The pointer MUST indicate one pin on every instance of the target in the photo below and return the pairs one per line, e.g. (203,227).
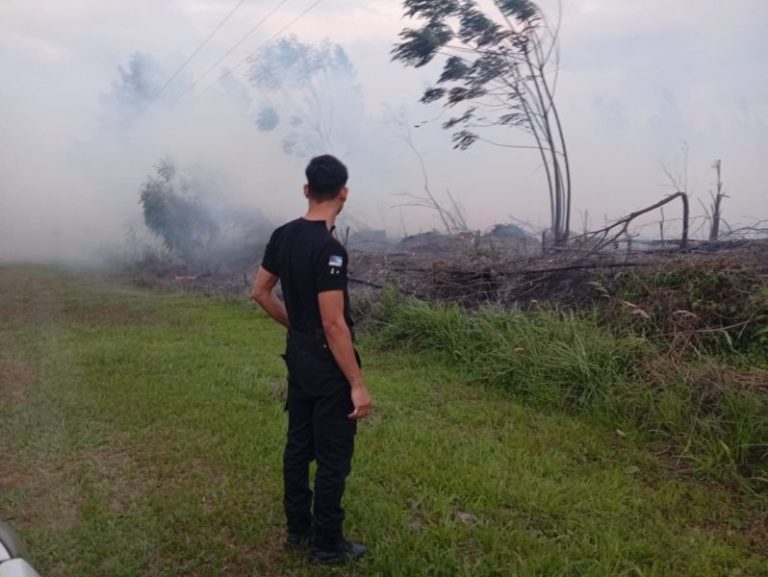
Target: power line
(260,46)
(231,50)
(199,48)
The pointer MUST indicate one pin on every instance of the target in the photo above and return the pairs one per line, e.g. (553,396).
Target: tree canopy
(314,88)
(499,70)
(173,213)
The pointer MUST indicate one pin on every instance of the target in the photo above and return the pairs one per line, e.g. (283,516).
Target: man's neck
(322,212)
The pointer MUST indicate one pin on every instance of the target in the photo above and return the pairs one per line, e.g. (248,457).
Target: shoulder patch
(336,261)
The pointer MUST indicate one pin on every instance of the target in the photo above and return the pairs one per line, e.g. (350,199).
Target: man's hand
(362,401)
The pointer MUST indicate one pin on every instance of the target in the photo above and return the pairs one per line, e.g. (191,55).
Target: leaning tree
(500,70)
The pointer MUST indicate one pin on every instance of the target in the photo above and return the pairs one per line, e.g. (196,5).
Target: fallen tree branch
(365,283)
(622,224)
(592,266)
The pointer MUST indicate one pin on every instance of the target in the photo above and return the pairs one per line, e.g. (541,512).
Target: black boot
(298,541)
(343,552)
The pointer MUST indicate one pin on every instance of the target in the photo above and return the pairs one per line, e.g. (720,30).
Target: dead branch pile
(573,277)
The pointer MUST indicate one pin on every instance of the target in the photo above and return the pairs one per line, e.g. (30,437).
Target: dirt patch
(101,314)
(37,296)
(54,492)
(755,530)
(31,297)
(16,376)
(116,473)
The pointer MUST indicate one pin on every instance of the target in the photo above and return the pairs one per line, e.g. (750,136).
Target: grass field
(141,435)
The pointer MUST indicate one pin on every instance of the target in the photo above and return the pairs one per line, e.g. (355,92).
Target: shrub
(694,308)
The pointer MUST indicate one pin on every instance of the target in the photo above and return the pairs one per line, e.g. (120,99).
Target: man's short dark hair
(326,176)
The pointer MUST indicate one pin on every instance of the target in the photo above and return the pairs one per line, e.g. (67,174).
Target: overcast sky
(641,80)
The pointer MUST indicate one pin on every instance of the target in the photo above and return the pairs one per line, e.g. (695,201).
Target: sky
(644,85)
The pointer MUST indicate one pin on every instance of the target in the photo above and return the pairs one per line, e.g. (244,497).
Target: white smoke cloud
(638,79)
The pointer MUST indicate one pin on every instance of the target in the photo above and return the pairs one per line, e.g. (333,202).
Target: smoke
(240,149)
(77,186)
(84,120)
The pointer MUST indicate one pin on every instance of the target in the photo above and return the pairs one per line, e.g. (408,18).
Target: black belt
(314,342)
(308,341)
(311,340)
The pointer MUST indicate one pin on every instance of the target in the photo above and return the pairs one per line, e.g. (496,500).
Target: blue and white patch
(336,261)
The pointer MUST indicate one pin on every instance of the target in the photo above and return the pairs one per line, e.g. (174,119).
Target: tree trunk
(714,232)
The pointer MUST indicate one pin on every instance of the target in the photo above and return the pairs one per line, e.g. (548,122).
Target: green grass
(142,435)
(704,410)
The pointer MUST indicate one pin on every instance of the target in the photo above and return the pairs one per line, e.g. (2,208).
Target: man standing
(326,391)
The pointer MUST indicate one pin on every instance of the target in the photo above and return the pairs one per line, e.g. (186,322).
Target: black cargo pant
(319,429)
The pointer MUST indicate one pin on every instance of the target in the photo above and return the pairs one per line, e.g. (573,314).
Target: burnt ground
(470,274)
(472,270)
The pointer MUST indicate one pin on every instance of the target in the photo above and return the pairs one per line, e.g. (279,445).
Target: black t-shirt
(308,260)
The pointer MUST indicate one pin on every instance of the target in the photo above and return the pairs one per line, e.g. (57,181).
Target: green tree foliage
(314,88)
(499,71)
(133,90)
(173,213)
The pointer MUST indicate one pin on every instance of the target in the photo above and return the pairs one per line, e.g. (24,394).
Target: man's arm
(263,292)
(339,339)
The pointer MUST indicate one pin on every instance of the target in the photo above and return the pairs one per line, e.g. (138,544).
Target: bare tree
(715,213)
(451,216)
(501,67)
(679,184)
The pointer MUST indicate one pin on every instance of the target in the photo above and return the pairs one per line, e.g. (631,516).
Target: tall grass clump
(550,358)
(713,416)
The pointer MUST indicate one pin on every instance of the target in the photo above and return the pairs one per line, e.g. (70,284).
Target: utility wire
(199,48)
(262,45)
(231,50)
